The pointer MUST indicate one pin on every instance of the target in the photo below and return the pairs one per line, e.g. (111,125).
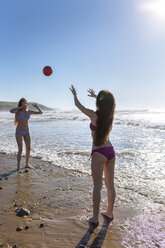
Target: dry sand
(58,198)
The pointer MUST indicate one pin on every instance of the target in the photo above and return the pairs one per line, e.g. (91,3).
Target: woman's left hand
(35,105)
(73,90)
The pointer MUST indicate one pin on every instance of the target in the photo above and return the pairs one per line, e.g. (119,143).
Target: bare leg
(19,143)
(109,181)
(97,166)
(27,145)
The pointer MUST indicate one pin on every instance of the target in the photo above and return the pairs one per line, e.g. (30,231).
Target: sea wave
(141,124)
(81,153)
(144,118)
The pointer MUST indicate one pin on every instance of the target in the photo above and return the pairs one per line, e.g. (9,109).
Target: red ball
(47,70)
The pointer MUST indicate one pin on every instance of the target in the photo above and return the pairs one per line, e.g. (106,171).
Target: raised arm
(39,112)
(84,110)
(15,110)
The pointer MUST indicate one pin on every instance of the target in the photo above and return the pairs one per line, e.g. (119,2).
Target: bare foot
(28,167)
(94,221)
(107,215)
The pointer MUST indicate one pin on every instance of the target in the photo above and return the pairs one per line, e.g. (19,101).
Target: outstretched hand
(35,105)
(73,90)
(92,93)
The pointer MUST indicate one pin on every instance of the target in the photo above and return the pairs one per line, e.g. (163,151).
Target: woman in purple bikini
(22,115)
(103,154)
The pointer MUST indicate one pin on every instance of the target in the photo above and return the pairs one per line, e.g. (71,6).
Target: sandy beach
(59,202)
(60,199)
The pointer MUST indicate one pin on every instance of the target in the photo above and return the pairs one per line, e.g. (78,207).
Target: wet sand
(59,199)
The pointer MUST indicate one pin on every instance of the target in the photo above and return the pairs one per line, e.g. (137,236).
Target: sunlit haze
(156,8)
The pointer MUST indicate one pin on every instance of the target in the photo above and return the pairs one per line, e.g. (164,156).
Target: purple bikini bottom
(23,133)
(108,152)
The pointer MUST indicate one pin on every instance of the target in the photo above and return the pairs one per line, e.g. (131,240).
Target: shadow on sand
(9,173)
(99,240)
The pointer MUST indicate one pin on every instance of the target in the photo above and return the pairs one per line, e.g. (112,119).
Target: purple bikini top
(92,127)
(23,115)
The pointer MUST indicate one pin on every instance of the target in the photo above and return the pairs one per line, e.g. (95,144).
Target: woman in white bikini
(103,154)
(22,115)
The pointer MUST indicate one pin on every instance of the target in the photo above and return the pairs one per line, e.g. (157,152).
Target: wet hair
(105,103)
(19,105)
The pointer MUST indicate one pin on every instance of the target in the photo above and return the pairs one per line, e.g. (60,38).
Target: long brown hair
(105,103)
(19,105)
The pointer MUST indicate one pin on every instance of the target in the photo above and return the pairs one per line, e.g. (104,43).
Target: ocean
(64,138)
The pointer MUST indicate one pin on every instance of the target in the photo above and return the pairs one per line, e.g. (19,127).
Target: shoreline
(58,198)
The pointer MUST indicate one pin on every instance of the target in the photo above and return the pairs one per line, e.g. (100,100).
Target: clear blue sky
(117,45)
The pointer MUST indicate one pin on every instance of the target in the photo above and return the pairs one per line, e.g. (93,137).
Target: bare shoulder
(93,117)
